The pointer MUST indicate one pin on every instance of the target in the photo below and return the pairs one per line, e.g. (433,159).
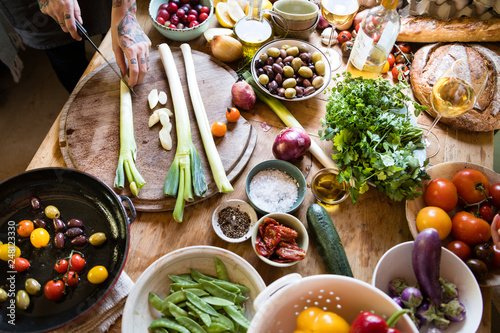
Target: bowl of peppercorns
(181,20)
(233,221)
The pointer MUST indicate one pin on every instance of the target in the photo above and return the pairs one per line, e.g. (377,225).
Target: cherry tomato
(486,213)
(357,27)
(478,268)
(400,72)
(434,217)
(386,67)
(484,252)
(470,229)
(219,129)
(314,319)
(232,115)
(442,193)
(472,186)
(344,36)
(401,47)
(494,192)
(460,249)
(39,237)
(77,262)
(97,274)
(54,289)
(391,59)
(9,252)
(24,228)
(73,278)
(20,264)
(61,266)
(346,48)
(496,259)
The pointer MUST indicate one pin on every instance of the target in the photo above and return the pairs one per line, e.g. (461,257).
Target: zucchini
(328,241)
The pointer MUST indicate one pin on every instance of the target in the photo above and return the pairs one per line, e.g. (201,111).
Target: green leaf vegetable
(128,147)
(186,174)
(373,139)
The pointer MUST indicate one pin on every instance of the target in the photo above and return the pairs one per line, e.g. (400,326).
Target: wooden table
(368,229)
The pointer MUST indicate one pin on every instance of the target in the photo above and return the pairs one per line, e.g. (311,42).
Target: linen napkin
(106,312)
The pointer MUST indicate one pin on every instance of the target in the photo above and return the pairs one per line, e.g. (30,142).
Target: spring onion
(289,120)
(128,147)
(186,174)
(216,165)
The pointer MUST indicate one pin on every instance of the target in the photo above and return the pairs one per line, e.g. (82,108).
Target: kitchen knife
(83,32)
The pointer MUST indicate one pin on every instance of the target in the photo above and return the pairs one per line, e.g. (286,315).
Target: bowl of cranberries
(181,20)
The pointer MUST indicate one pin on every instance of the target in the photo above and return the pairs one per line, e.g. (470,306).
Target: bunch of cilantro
(373,139)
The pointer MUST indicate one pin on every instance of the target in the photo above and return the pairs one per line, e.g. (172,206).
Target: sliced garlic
(164,115)
(153,119)
(153,98)
(162,97)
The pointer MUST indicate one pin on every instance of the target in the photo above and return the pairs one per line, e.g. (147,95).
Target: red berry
(172,7)
(160,20)
(204,9)
(185,1)
(163,14)
(163,6)
(193,24)
(180,26)
(180,13)
(191,18)
(192,12)
(202,17)
(174,19)
(172,26)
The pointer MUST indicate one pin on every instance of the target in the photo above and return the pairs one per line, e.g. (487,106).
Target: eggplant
(426,261)
(398,301)
(411,297)
(396,286)
(454,310)
(450,290)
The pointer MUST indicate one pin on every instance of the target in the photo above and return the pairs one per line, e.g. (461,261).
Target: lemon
(223,16)
(234,10)
(215,2)
(243,4)
(266,4)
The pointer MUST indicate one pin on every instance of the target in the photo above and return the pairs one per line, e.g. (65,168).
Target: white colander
(278,306)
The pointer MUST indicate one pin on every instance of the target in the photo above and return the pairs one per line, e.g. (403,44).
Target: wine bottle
(376,36)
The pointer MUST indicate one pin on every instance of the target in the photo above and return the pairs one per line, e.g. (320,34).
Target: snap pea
(181,278)
(200,304)
(215,328)
(168,323)
(212,300)
(191,325)
(155,301)
(184,285)
(225,321)
(205,317)
(217,291)
(159,330)
(198,276)
(176,311)
(228,286)
(221,270)
(237,316)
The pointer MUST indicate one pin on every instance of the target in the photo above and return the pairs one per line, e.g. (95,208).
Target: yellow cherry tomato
(24,228)
(316,320)
(434,217)
(9,252)
(39,237)
(97,274)
(386,67)
(219,128)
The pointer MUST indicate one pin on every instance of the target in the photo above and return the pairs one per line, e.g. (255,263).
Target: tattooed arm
(130,43)
(64,13)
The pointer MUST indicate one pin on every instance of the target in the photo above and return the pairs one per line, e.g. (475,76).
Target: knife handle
(81,29)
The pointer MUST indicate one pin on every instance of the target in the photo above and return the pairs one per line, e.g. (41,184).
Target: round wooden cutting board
(89,131)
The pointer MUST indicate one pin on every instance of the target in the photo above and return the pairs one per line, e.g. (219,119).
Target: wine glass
(454,93)
(337,12)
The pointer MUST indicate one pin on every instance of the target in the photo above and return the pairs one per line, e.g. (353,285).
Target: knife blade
(84,33)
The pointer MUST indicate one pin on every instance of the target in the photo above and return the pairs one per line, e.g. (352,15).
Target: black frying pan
(76,195)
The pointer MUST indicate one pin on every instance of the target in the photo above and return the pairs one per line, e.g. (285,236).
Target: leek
(186,174)
(128,147)
(216,165)
(289,120)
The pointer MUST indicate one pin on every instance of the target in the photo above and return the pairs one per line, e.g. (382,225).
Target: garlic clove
(162,98)
(153,98)
(325,36)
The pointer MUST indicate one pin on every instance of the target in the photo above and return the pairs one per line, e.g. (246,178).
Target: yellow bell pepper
(316,320)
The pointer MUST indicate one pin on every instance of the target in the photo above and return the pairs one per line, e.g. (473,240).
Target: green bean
(205,317)
(225,321)
(176,311)
(191,325)
(200,304)
(216,328)
(168,323)
(212,300)
(155,301)
(237,316)
(221,270)
(217,291)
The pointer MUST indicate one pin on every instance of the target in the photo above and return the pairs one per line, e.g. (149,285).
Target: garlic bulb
(226,48)
(325,36)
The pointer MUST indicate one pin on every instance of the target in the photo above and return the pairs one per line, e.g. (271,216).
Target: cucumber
(328,241)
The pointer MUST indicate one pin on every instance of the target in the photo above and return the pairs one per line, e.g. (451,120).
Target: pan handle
(133,213)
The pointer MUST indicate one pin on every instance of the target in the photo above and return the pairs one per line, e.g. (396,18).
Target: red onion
(322,23)
(291,143)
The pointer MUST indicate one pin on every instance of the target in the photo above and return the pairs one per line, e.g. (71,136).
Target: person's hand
(495,233)
(130,43)
(64,12)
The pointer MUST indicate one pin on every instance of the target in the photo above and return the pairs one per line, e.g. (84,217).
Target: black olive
(59,240)
(79,241)
(58,224)
(35,203)
(73,232)
(478,268)
(75,223)
(39,223)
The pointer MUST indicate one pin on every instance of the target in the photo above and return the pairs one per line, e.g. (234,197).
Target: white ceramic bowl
(296,10)
(280,303)
(180,35)
(242,206)
(397,263)
(138,314)
(288,221)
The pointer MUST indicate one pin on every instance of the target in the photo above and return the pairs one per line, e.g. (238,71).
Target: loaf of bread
(420,29)
(432,60)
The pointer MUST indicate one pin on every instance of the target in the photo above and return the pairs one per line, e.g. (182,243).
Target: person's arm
(495,231)
(130,43)
(64,12)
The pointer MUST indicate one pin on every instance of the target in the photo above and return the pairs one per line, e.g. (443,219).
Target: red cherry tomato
(442,193)
(73,278)
(391,59)
(472,186)
(494,192)
(486,213)
(401,47)
(400,72)
(460,249)
(496,259)
(54,289)
(77,262)
(470,229)
(344,36)
(61,266)
(357,27)
(20,264)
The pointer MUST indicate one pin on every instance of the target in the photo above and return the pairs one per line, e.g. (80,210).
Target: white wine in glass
(454,93)
(337,12)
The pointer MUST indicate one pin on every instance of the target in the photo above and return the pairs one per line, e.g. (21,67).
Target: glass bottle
(375,40)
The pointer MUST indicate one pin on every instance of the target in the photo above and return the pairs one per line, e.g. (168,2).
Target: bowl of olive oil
(326,189)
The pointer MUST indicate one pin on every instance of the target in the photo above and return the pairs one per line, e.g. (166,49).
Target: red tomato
(61,266)
(472,186)
(442,193)
(344,36)
(496,260)
(77,262)
(391,59)
(54,289)
(357,27)
(470,229)
(486,213)
(401,47)
(460,249)
(494,192)
(73,278)
(400,69)
(20,264)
